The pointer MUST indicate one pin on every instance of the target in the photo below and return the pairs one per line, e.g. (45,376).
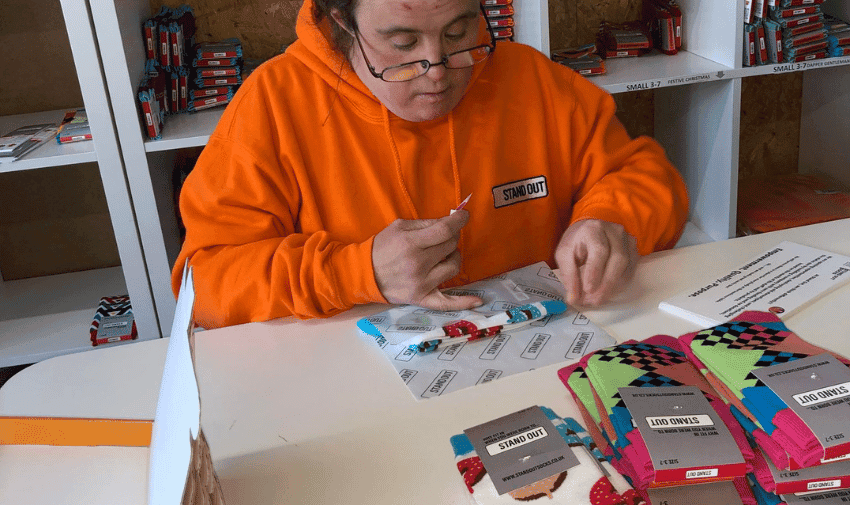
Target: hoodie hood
(315,49)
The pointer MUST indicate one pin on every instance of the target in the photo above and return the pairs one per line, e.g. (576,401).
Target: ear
(337,17)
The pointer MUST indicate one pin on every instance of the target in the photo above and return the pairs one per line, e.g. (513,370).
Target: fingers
(411,258)
(596,259)
(427,233)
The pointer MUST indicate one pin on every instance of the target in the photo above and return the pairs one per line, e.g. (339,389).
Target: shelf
(48,316)
(657,70)
(50,153)
(186,130)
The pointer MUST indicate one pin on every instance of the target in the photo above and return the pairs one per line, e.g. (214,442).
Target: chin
(425,112)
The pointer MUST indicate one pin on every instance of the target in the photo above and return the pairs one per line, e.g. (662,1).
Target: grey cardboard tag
(115,326)
(520,449)
(817,389)
(839,497)
(685,438)
(817,478)
(712,493)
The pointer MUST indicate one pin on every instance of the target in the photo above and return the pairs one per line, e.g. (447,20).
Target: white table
(311,412)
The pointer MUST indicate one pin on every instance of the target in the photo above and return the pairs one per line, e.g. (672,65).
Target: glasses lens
(405,72)
(468,58)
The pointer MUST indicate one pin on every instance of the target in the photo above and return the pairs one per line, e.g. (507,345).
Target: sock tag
(687,441)
(521,449)
(817,389)
(700,494)
(836,497)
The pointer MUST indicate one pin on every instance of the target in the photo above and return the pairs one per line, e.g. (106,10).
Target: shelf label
(666,81)
(805,65)
(638,86)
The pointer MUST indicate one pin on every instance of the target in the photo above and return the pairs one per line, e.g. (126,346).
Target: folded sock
(584,484)
(757,340)
(764,497)
(577,383)
(655,362)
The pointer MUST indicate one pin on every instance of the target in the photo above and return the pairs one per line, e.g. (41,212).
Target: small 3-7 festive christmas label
(521,449)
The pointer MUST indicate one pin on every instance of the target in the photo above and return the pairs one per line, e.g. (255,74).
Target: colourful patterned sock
(579,386)
(585,484)
(762,496)
(755,340)
(572,431)
(575,378)
(658,361)
(771,447)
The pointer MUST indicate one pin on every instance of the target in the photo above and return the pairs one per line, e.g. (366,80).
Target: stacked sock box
(777,31)
(583,59)
(500,13)
(217,71)
(803,32)
(665,24)
(837,36)
(623,40)
(165,84)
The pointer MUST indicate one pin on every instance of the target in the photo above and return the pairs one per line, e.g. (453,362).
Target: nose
(435,55)
(437,71)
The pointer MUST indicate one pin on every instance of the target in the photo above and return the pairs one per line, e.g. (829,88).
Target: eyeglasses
(458,59)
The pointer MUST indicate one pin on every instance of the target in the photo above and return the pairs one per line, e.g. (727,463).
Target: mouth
(434,96)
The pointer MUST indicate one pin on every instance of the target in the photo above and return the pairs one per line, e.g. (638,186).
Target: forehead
(416,14)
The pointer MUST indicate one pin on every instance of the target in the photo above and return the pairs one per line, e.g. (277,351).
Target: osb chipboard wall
(37,53)
(263,26)
(771,108)
(53,220)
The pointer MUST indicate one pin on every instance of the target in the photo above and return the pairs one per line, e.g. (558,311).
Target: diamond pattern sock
(757,340)
(655,362)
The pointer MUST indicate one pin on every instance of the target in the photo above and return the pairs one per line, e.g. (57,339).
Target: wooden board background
(33,35)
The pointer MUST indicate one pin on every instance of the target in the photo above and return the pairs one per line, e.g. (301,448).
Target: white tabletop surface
(312,412)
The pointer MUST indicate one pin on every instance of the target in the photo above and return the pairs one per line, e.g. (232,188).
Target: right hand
(411,258)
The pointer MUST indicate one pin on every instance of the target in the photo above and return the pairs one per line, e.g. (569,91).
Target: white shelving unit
(48,316)
(697,115)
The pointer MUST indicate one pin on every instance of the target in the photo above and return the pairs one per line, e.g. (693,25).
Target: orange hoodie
(306,166)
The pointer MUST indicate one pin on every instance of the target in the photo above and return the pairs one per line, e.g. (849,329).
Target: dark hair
(341,39)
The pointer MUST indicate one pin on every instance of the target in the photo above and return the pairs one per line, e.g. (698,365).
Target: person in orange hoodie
(330,177)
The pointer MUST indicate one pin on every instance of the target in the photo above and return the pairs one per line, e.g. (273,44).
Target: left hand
(595,258)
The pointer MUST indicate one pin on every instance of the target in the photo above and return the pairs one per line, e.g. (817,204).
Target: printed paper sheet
(562,338)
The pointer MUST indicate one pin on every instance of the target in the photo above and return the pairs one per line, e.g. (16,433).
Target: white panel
(699,125)
(119,201)
(119,34)
(712,29)
(531,20)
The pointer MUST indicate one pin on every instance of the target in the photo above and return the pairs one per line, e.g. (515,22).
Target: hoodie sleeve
(251,262)
(620,179)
